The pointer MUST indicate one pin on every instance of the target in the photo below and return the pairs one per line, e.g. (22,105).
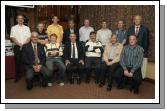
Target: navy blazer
(142,37)
(67,51)
(67,33)
(28,54)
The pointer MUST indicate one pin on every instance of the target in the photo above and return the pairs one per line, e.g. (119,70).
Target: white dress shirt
(71,30)
(21,33)
(104,35)
(84,33)
(136,28)
(76,50)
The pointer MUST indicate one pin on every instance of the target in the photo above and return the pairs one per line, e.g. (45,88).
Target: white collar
(137,26)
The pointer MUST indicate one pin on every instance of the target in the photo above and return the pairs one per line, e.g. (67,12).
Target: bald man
(34,59)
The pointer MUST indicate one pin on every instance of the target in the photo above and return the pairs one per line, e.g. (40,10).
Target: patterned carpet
(68,91)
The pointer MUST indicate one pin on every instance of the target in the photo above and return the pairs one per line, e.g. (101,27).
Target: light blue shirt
(112,52)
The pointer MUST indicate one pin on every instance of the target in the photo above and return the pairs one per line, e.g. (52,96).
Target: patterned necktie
(36,54)
(73,50)
(137,31)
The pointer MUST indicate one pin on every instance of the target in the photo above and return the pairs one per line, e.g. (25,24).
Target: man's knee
(29,74)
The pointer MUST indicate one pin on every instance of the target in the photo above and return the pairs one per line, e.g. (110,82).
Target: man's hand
(67,62)
(37,68)
(107,62)
(20,44)
(82,62)
(130,74)
(126,73)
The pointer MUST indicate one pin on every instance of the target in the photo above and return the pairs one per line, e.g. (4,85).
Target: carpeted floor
(68,91)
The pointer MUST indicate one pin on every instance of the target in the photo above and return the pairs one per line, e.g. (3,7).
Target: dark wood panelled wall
(96,14)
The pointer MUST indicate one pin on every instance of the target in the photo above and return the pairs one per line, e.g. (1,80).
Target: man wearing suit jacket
(69,30)
(73,54)
(142,34)
(34,60)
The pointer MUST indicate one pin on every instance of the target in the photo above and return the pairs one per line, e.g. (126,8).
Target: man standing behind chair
(34,59)
(84,31)
(104,34)
(55,28)
(70,30)
(74,55)
(121,32)
(94,51)
(131,62)
(142,34)
(20,35)
(43,37)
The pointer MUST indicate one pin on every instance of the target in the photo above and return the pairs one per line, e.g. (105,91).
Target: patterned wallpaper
(111,14)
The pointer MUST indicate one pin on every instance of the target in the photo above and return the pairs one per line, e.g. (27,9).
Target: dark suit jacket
(143,37)
(67,51)
(28,54)
(67,33)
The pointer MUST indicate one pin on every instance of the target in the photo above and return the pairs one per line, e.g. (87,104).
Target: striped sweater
(50,47)
(132,57)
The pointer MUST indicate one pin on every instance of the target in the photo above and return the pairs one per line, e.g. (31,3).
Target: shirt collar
(137,26)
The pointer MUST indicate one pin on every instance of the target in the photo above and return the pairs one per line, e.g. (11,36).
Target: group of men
(116,55)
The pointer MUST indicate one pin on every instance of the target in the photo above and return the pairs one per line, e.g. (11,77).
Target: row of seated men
(114,61)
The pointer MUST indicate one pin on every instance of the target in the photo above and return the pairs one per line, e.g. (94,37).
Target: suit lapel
(31,51)
(140,29)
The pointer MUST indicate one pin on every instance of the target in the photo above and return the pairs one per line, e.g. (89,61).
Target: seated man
(111,57)
(131,61)
(34,60)
(53,58)
(94,50)
(73,53)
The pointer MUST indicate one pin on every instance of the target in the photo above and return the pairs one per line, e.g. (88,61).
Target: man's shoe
(101,84)
(61,84)
(16,80)
(120,87)
(29,87)
(136,91)
(44,84)
(109,88)
(78,81)
(87,81)
(71,81)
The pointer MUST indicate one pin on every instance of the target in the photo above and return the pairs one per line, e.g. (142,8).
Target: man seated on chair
(93,50)
(34,59)
(131,62)
(110,64)
(54,54)
(74,57)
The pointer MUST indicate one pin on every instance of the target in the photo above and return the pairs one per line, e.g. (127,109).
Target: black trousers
(109,72)
(93,61)
(135,80)
(79,69)
(18,61)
